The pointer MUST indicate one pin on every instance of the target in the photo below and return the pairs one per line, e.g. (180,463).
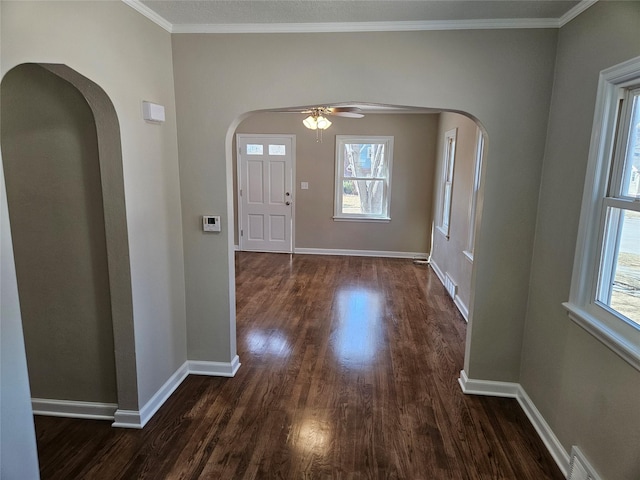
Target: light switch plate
(304,185)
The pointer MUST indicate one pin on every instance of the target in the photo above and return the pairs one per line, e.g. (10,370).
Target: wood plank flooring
(349,371)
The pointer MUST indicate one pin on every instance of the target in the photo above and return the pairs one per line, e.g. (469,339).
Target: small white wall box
(211,223)
(153,112)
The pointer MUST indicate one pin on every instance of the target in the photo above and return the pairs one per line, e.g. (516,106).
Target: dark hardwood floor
(349,370)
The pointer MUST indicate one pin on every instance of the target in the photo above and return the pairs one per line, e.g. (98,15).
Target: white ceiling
(355,15)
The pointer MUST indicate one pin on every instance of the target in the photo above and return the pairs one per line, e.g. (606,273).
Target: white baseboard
(549,438)
(359,253)
(161,396)
(134,418)
(73,409)
(139,418)
(515,390)
(127,419)
(464,310)
(218,369)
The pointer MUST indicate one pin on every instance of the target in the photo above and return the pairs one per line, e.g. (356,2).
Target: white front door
(265,196)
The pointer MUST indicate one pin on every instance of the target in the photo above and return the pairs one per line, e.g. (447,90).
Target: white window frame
(473,206)
(385,216)
(446,181)
(617,332)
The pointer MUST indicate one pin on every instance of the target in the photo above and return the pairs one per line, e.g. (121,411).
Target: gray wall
(412,181)
(130,58)
(447,253)
(52,168)
(480,72)
(587,394)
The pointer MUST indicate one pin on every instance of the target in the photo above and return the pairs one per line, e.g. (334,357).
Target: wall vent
(450,285)
(579,467)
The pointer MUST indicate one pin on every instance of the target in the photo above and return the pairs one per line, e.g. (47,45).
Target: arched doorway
(62,159)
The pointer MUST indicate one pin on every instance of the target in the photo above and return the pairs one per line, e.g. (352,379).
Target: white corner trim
(487,387)
(359,253)
(217,369)
(138,419)
(515,390)
(575,11)
(337,27)
(127,419)
(73,409)
(150,14)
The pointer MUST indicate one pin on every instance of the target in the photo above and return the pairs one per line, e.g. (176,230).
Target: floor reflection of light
(359,331)
(314,436)
(271,342)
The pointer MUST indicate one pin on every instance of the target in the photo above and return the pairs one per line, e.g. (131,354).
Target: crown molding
(575,11)
(346,27)
(140,7)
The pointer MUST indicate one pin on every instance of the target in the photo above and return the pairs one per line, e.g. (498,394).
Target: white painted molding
(216,369)
(138,419)
(150,14)
(436,268)
(487,387)
(515,390)
(127,419)
(163,394)
(575,11)
(73,409)
(545,433)
(464,310)
(337,27)
(359,253)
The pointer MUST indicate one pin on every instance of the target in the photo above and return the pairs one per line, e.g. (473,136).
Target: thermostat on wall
(211,223)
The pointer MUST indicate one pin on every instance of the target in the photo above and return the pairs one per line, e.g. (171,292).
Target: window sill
(362,219)
(614,340)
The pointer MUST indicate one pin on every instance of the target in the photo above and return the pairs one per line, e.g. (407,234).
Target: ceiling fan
(317,119)
(317,113)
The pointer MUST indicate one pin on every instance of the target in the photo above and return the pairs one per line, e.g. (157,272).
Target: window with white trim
(446,185)
(473,206)
(363,178)
(605,289)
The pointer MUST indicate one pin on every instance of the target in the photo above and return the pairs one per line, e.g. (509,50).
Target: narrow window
(446,188)
(473,206)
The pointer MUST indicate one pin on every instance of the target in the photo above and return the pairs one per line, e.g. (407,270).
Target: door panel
(265,166)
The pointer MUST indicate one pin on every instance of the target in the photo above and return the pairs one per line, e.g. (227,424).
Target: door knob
(287,203)
(287,194)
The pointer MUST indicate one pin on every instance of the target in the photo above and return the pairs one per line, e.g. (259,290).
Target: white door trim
(238,226)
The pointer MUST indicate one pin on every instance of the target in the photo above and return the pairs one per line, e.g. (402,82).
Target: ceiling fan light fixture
(323,123)
(311,122)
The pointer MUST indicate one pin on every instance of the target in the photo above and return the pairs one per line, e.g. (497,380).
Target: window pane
(277,150)
(364,160)
(620,267)
(631,179)
(362,197)
(254,149)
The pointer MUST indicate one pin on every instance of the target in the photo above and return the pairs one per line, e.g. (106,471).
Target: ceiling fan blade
(347,114)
